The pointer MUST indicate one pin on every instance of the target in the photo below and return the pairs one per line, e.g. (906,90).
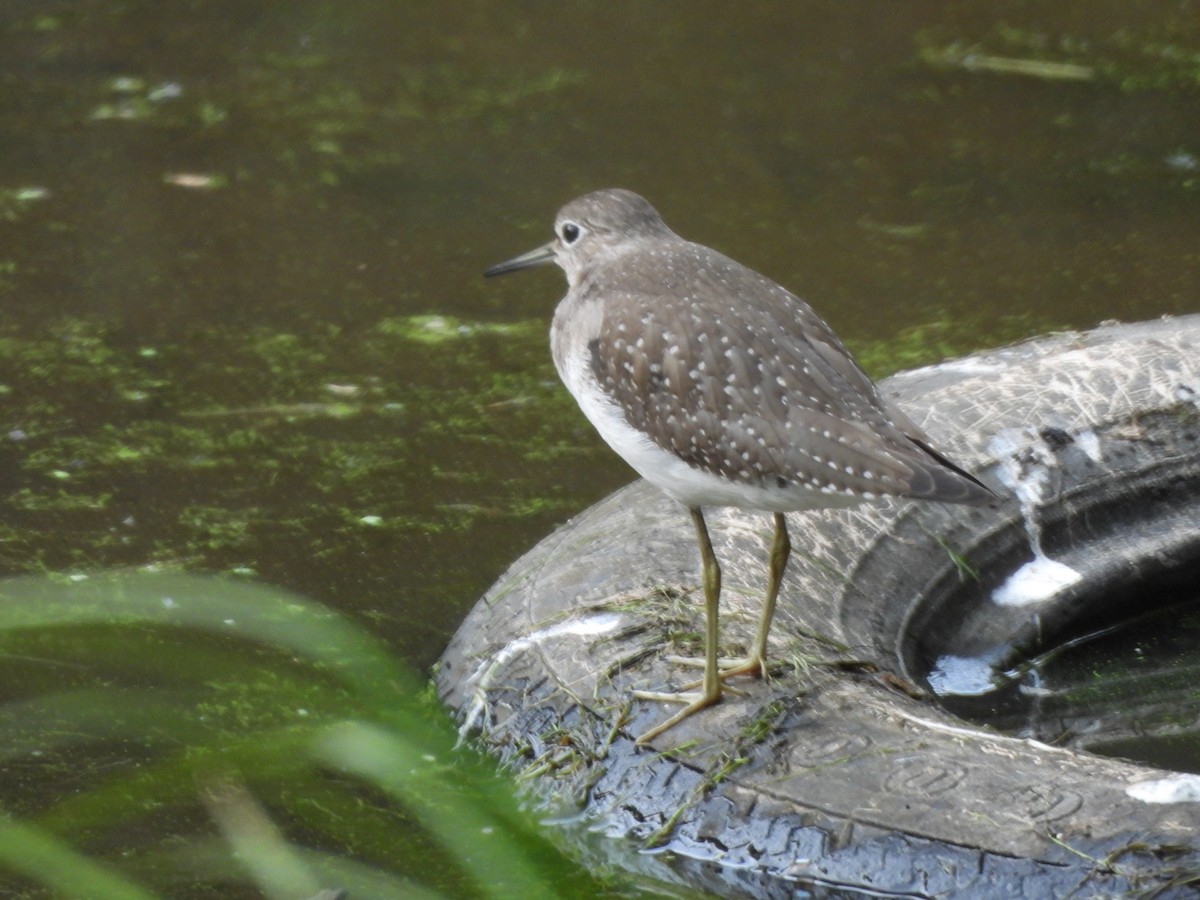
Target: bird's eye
(570,232)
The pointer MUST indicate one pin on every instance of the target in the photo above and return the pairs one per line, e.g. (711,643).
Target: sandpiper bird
(722,389)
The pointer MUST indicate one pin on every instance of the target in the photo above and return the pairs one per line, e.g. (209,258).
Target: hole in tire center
(1129,689)
(1111,664)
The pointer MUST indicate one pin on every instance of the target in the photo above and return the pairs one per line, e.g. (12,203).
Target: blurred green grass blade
(148,687)
(257,842)
(496,854)
(45,859)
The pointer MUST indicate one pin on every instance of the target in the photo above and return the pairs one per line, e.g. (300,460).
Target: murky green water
(243,325)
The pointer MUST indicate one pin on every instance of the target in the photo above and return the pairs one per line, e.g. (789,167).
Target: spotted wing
(741,379)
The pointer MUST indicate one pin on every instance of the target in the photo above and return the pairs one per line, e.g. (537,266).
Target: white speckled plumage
(722,389)
(716,384)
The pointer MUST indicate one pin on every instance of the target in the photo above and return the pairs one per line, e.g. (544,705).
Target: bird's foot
(726,667)
(694,702)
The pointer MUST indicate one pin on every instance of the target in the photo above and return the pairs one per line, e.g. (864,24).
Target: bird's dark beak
(538,257)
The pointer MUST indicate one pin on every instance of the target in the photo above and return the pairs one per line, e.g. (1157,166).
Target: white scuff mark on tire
(1182,788)
(1035,582)
(482,677)
(1025,468)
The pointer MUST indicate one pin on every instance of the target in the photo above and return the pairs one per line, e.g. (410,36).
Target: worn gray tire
(828,776)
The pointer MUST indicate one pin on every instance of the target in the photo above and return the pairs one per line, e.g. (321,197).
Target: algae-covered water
(244,330)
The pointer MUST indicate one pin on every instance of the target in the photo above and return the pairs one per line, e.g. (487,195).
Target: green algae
(283,433)
(294,434)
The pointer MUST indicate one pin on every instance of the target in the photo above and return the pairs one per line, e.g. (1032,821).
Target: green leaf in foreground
(165,734)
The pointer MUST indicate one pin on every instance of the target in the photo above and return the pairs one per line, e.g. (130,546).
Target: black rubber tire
(828,776)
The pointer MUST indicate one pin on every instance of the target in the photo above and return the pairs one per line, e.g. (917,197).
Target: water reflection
(1127,689)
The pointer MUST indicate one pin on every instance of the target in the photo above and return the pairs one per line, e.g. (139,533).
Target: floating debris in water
(126,84)
(135,101)
(958,56)
(196,180)
(1182,161)
(168,90)
(13,201)
(28,194)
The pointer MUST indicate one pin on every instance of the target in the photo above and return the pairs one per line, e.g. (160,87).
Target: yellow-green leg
(710,686)
(755,662)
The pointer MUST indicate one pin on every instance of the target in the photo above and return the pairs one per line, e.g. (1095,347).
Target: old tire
(829,775)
